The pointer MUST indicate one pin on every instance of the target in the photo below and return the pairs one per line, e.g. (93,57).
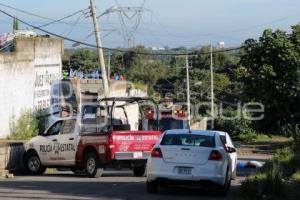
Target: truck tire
(152,187)
(33,164)
(92,165)
(139,171)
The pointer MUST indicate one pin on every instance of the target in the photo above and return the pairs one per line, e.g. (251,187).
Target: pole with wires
(188,90)
(108,65)
(212,87)
(99,48)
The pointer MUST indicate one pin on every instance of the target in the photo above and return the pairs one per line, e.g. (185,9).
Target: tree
(222,60)
(147,73)
(15,24)
(25,127)
(270,74)
(84,59)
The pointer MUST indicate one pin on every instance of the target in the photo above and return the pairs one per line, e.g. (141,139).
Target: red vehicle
(109,133)
(170,117)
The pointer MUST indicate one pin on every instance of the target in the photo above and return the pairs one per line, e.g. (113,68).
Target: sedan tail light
(156,153)
(215,155)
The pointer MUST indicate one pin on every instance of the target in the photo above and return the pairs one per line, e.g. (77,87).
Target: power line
(118,50)
(224,32)
(58,20)
(25,12)
(38,16)
(221,101)
(74,24)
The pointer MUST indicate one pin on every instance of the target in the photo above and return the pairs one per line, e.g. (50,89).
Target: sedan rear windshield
(188,140)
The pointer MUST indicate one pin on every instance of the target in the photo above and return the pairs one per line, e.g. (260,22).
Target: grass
(276,180)
(272,138)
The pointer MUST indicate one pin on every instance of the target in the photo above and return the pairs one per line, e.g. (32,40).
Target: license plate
(138,155)
(184,170)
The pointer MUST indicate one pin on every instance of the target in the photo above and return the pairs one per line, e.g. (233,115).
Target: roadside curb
(4,174)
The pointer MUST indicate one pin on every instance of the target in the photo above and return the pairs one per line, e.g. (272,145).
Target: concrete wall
(25,77)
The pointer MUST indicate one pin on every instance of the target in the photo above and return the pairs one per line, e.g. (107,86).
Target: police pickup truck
(108,133)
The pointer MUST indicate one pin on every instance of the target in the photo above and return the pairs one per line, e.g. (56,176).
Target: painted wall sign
(44,76)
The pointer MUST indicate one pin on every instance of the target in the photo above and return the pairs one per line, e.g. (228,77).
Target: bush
(274,186)
(270,182)
(252,186)
(267,185)
(296,177)
(239,128)
(25,127)
(247,137)
(287,159)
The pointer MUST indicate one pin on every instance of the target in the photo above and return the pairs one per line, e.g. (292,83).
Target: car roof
(198,132)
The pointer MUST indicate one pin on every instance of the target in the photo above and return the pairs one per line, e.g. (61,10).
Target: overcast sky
(171,23)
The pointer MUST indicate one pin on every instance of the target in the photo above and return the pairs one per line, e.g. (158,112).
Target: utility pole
(212,87)
(99,48)
(108,65)
(188,89)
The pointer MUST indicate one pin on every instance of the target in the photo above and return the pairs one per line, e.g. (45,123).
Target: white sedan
(192,158)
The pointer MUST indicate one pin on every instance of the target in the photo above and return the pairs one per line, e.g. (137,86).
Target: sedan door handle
(71,138)
(54,140)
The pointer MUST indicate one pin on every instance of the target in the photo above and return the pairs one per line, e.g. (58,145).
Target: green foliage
(288,160)
(147,73)
(275,138)
(15,24)
(221,60)
(296,177)
(201,92)
(270,182)
(268,185)
(25,127)
(269,68)
(84,59)
(275,187)
(249,136)
(238,127)
(252,187)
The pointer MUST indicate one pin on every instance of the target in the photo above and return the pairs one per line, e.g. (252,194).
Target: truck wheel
(152,187)
(92,165)
(33,164)
(139,171)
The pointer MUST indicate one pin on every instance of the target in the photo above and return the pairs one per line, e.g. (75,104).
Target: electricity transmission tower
(130,19)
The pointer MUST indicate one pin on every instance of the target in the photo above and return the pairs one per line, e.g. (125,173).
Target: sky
(172,23)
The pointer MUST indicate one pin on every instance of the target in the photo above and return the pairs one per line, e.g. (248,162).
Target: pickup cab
(108,133)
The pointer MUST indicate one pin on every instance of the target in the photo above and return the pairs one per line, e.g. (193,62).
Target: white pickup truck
(92,141)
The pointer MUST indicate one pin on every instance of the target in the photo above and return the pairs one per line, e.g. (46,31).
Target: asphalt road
(114,185)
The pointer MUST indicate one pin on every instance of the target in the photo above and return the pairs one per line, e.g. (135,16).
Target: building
(26,74)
